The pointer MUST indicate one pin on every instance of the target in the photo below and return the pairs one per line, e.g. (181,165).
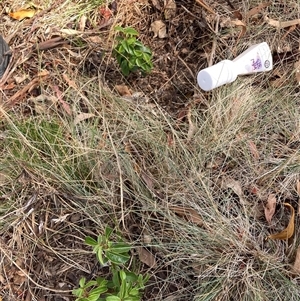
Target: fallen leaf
(242,24)
(82,116)
(289,230)
(105,13)
(156,4)
(235,186)
(43,103)
(20,79)
(170,9)
(270,207)
(298,187)
(280,24)
(297,71)
(253,149)
(146,257)
(298,192)
(237,15)
(64,104)
(43,72)
(296,265)
(70,82)
(257,9)
(22,14)
(82,22)
(189,214)
(159,28)
(123,90)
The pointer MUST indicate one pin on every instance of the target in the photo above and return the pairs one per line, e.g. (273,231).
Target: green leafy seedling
(124,285)
(132,55)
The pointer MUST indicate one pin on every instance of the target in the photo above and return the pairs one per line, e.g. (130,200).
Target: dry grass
(130,163)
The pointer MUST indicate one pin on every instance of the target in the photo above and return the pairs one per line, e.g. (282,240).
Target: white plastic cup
(257,58)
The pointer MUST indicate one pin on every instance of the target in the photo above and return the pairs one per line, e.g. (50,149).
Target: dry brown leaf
(235,186)
(170,9)
(70,82)
(296,265)
(289,230)
(82,116)
(82,22)
(270,207)
(43,103)
(257,9)
(20,79)
(253,150)
(123,90)
(63,103)
(280,24)
(297,71)
(43,72)
(156,4)
(146,257)
(237,15)
(242,24)
(159,28)
(298,187)
(22,14)
(189,214)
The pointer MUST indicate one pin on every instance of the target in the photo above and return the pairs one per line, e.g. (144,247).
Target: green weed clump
(124,285)
(132,54)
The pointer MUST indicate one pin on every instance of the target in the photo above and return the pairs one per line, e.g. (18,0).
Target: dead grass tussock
(119,167)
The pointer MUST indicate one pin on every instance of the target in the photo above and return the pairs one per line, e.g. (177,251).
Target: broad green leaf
(82,282)
(116,279)
(138,53)
(116,257)
(91,283)
(100,256)
(131,41)
(97,291)
(119,28)
(130,31)
(122,275)
(131,277)
(90,241)
(125,71)
(120,247)
(78,292)
(108,231)
(113,298)
(125,45)
(139,62)
(134,292)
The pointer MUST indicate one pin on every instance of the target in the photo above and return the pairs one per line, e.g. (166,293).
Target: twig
(204,5)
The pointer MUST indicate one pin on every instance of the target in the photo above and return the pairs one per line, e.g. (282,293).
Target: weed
(131,54)
(124,285)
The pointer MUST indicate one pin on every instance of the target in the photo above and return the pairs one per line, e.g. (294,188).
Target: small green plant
(124,285)
(131,54)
